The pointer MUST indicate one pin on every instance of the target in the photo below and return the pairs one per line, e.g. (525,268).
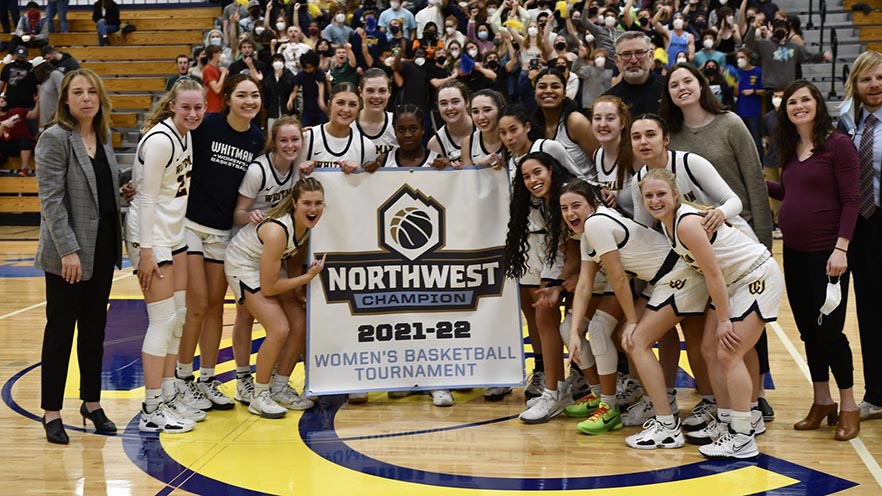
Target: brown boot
(815,415)
(849,425)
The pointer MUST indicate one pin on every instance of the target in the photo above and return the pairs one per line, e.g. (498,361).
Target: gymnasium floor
(389,447)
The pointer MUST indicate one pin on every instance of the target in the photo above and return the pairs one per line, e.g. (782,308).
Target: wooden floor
(389,447)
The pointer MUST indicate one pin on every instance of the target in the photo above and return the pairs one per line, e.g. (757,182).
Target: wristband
(840,249)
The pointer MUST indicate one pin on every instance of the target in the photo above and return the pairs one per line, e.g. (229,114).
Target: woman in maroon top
(819,208)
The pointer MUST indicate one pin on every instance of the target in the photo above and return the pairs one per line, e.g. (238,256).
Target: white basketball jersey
(449,148)
(265,184)
(244,251)
(327,151)
(477,152)
(609,179)
(385,140)
(171,207)
(574,151)
(552,148)
(393,161)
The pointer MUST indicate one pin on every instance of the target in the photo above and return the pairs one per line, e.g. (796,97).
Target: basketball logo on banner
(412,224)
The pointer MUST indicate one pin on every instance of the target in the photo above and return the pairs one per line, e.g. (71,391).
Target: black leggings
(826,346)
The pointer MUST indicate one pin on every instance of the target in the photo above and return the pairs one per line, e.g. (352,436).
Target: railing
(823,16)
(810,24)
(834,43)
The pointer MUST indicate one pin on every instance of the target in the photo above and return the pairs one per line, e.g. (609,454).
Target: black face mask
(492,65)
(779,34)
(203,60)
(700,25)
(394,29)
(560,46)
(440,60)
(592,11)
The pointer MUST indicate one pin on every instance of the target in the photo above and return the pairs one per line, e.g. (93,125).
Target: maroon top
(819,197)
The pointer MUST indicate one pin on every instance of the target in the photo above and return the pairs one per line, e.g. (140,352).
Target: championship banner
(413,294)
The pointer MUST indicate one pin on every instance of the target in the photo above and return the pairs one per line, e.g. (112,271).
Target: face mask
(313,31)
(730,20)
(490,12)
(441,59)
(203,60)
(259,30)
(533,31)
(278,65)
(776,102)
(482,35)
(678,23)
(834,298)
(600,62)
(492,65)
(280,26)
(449,30)
(742,63)
(724,2)
(394,5)
(560,46)
(779,34)
(610,21)
(700,25)
(395,29)
(430,35)
(454,53)
(472,53)
(589,38)
(341,17)
(463,5)
(419,61)
(681,60)
(215,41)
(711,71)
(708,43)
(389,61)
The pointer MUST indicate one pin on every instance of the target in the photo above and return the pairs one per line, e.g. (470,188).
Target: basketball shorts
(162,255)
(205,241)
(760,291)
(246,282)
(683,288)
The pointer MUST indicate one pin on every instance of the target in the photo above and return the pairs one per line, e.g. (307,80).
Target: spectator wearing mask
(337,32)
(728,35)
(643,23)
(248,63)
(32,30)
(749,105)
(606,35)
(708,50)
(253,20)
(452,33)
(314,84)
(216,38)
(429,41)
(718,85)
(201,61)
(590,67)
(368,41)
(407,24)
(182,64)
(62,61)
(480,35)
(230,17)
(676,39)
(105,13)
(432,13)
(277,86)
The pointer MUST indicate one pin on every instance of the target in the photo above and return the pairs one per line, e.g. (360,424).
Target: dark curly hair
(517,243)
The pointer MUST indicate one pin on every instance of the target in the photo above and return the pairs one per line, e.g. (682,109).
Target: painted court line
(37,305)
(856,443)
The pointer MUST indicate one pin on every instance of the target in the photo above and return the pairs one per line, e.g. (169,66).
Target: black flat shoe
(103,425)
(55,432)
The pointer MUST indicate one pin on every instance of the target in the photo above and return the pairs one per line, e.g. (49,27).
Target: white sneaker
(496,393)
(566,395)
(289,399)
(163,419)
(536,385)
(702,414)
(870,411)
(629,393)
(190,394)
(757,423)
(544,409)
(656,435)
(184,410)
(211,389)
(264,405)
(731,445)
(244,389)
(358,398)
(441,397)
(638,413)
(709,433)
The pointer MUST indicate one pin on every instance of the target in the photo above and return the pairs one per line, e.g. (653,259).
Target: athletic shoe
(358,398)
(757,422)
(578,385)
(211,389)
(584,407)
(604,419)
(190,394)
(264,405)
(399,394)
(766,408)
(629,393)
(639,413)
(656,435)
(544,409)
(710,433)
(731,445)
(496,393)
(441,397)
(163,419)
(289,399)
(244,389)
(536,385)
(566,396)
(702,414)
(184,410)
(870,411)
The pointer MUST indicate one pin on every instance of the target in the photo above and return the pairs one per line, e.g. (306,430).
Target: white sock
(609,399)
(741,422)
(243,371)
(667,421)
(184,370)
(279,383)
(152,399)
(259,388)
(754,405)
(168,389)
(205,374)
(725,415)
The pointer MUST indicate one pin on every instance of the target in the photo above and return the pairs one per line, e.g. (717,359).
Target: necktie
(865,180)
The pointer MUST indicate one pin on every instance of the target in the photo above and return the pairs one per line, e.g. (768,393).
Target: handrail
(810,24)
(834,42)
(823,20)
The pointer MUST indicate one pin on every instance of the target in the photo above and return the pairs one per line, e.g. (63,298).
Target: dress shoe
(815,415)
(103,425)
(849,425)
(55,432)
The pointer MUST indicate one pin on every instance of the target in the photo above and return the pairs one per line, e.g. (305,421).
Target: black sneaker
(766,409)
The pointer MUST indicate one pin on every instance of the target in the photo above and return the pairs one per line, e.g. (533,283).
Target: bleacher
(134,69)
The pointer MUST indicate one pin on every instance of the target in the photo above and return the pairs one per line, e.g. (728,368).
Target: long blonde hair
(101,122)
(162,109)
(286,206)
(288,120)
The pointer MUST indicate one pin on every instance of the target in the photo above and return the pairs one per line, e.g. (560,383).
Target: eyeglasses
(640,54)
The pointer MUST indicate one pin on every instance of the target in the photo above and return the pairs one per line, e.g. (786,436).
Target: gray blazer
(69,200)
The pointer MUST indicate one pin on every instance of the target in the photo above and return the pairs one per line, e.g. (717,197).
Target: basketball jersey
(449,148)
(327,151)
(171,202)
(609,179)
(576,153)
(385,140)
(735,251)
(244,251)
(264,183)
(392,159)
(698,182)
(477,152)
(552,148)
(643,251)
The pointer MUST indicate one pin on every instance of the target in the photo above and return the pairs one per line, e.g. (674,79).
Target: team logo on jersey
(756,287)
(689,196)
(678,283)
(412,271)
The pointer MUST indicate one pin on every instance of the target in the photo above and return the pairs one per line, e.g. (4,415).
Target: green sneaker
(604,419)
(584,407)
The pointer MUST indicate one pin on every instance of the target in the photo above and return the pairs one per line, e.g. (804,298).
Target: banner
(413,294)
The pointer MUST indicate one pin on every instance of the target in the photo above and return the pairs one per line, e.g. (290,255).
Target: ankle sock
(205,374)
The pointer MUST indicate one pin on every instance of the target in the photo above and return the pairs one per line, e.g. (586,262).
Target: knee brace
(600,331)
(161,328)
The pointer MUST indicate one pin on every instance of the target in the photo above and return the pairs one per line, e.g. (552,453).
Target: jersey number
(183,182)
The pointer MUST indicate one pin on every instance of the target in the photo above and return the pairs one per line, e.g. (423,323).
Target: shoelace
(725,438)
(194,391)
(652,424)
(213,385)
(588,398)
(701,409)
(601,411)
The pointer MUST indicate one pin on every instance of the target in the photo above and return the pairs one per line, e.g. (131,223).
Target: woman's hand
(609,197)
(146,267)
(837,264)
(255,216)
(713,219)
(371,166)
(575,348)
(548,297)
(569,283)
(628,336)
(493,160)
(307,167)
(727,336)
(348,166)
(316,267)
(128,191)
(441,163)
(71,270)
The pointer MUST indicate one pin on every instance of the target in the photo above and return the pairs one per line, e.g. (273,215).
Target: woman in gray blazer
(80,242)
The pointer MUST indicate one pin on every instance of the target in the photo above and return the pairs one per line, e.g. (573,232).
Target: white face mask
(724,2)
(742,63)
(394,5)
(681,60)
(280,26)
(258,30)
(463,5)
(589,38)
(419,61)
(759,33)
(389,61)
(482,35)
(834,298)
(730,20)
(678,23)
(532,31)
(708,43)
(278,65)
(610,21)
(490,12)
(472,53)
(341,18)
(215,41)
(600,62)
(776,101)
(454,54)
(450,30)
